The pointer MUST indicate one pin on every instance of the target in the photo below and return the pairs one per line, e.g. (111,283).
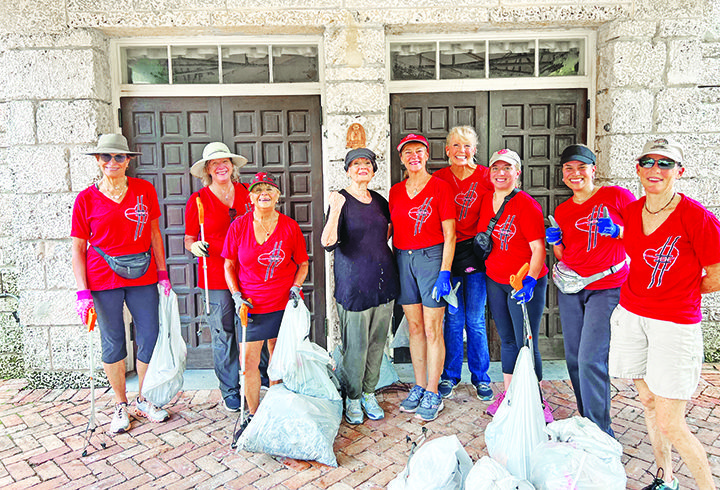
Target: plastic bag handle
(201,210)
(517,279)
(91,318)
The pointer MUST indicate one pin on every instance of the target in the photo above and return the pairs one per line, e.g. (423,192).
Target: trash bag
(402,335)
(519,424)
(580,456)
(295,327)
(164,377)
(388,374)
(440,464)
(488,474)
(295,426)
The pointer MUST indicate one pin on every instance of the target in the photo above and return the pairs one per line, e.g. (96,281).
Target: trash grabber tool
(201,216)
(244,310)
(92,423)
(553,223)
(516,283)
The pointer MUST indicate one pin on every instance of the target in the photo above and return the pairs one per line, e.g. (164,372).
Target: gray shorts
(418,271)
(667,355)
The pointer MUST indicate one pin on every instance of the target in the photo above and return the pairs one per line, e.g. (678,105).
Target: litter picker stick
(516,283)
(244,310)
(92,423)
(201,216)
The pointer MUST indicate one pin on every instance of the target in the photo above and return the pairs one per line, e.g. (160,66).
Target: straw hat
(216,151)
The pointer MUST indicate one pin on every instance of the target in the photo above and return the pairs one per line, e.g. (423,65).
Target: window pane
(562,57)
(245,64)
(295,64)
(413,61)
(462,60)
(512,59)
(195,64)
(146,65)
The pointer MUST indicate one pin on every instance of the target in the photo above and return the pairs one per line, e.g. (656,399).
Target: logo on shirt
(272,259)
(139,214)
(465,200)
(661,260)
(421,214)
(589,224)
(505,232)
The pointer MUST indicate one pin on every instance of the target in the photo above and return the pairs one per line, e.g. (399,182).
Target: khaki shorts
(667,355)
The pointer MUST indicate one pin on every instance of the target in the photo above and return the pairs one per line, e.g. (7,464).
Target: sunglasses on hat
(662,163)
(119,158)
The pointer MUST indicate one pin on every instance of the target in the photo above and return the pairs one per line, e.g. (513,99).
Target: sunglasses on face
(662,163)
(119,158)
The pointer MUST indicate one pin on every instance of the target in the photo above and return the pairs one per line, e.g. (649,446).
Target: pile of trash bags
(300,417)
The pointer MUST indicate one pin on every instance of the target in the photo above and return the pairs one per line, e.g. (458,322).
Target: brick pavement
(41,439)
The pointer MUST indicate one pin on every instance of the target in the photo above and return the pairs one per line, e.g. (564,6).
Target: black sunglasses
(120,157)
(662,163)
(232,212)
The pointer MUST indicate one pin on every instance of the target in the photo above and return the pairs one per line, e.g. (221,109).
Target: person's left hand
(525,294)
(164,281)
(295,295)
(442,285)
(606,226)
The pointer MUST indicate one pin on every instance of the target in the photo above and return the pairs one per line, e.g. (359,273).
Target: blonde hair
(207,180)
(464,133)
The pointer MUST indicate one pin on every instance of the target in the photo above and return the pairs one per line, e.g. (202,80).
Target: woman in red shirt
(223,199)
(589,243)
(266,263)
(423,219)
(118,216)
(656,336)
(518,238)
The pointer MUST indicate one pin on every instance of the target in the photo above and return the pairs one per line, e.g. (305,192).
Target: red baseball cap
(412,138)
(263,178)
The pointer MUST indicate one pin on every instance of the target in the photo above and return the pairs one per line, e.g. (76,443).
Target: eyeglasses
(662,163)
(119,158)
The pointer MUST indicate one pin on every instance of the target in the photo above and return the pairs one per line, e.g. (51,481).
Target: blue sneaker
(484,392)
(660,484)
(446,387)
(412,402)
(232,402)
(430,406)
(371,406)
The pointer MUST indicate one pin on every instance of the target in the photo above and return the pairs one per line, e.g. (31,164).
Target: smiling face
(503,175)
(460,152)
(361,170)
(578,176)
(264,196)
(220,170)
(656,180)
(113,169)
(414,156)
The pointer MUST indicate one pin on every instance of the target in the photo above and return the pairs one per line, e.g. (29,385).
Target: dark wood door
(171,134)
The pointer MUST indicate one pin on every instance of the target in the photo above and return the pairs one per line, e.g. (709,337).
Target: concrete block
(283,4)
(101,5)
(11,336)
(31,267)
(685,62)
(626,29)
(72,121)
(17,123)
(626,111)
(68,347)
(68,38)
(668,9)
(354,46)
(6,214)
(22,16)
(36,347)
(42,216)
(376,131)
(44,308)
(57,260)
(366,73)
(704,190)
(577,15)
(616,155)
(674,27)
(618,64)
(84,169)
(686,110)
(40,168)
(355,97)
(711,335)
(7,178)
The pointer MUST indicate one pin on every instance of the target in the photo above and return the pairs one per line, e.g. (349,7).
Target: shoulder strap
(494,220)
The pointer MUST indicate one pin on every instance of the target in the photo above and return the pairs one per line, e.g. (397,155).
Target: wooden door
(171,133)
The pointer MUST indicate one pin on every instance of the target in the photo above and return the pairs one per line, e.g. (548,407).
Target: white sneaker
(120,421)
(151,412)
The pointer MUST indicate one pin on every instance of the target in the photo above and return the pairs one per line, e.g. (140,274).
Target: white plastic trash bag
(295,327)
(402,335)
(388,374)
(488,474)
(580,456)
(440,464)
(519,424)
(164,377)
(294,426)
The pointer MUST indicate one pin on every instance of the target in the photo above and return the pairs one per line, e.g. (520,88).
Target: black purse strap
(494,220)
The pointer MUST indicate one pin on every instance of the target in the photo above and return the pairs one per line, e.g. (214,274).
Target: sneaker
(151,412)
(659,484)
(430,406)
(411,403)
(371,406)
(493,407)
(484,392)
(446,387)
(232,402)
(120,421)
(353,411)
(547,412)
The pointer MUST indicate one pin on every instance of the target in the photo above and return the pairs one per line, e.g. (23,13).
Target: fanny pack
(129,266)
(570,282)
(482,243)
(465,261)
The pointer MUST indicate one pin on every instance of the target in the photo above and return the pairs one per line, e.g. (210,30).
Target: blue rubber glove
(606,226)
(526,293)
(553,235)
(295,295)
(442,285)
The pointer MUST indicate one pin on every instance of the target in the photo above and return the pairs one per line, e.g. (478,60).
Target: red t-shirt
(467,195)
(116,229)
(217,222)
(266,272)
(520,223)
(417,222)
(586,251)
(666,266)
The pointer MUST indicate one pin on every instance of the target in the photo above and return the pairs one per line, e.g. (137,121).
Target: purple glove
(606,226)
(83,304)
(525,294)
(164,281)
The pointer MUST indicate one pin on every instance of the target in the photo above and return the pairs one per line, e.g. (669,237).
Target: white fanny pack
(570,282)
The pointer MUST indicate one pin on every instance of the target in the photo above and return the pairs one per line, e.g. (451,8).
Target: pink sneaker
(547,412)
(493,407)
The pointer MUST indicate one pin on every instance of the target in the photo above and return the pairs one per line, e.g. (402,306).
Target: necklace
(267,232)
(662,208)
(417,189)
(226,195)
(114,192)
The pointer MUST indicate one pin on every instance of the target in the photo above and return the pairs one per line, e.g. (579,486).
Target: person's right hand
(240,301)
(336,201)
(200,249)
(553,235)
(83,304)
